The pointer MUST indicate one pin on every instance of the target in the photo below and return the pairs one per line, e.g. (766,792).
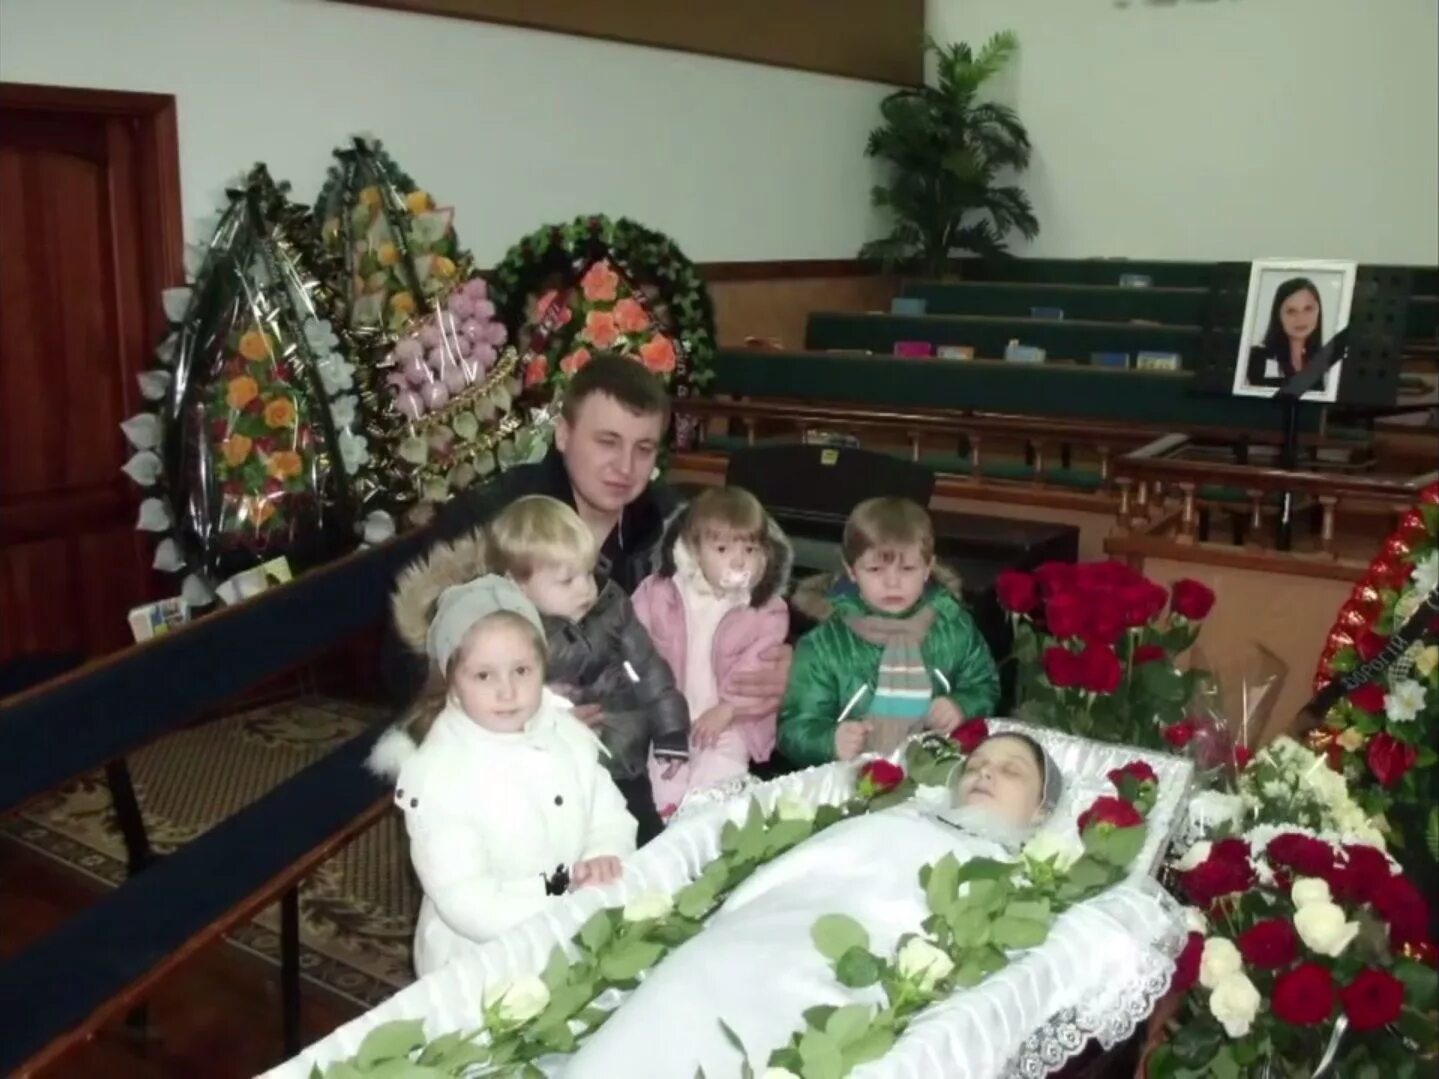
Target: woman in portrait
(1295,334)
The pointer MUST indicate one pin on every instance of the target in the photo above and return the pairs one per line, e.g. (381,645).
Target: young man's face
(609,451)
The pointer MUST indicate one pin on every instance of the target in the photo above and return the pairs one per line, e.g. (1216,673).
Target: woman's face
(1299,315)
(1003,777)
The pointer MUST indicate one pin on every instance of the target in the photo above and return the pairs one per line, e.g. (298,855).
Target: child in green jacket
(896,649)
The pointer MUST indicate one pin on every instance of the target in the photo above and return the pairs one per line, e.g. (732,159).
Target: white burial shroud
(1098,974)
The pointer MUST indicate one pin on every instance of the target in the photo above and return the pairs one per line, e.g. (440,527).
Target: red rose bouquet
(1097,646)
(1303,952)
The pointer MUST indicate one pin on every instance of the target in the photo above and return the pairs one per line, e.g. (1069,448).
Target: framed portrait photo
(1295,307)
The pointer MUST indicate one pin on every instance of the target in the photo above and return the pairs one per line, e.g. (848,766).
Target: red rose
(1186,967)
(1100,669)
(1192,600)
(1271,943)
(1108,810)
(878,776)
(1149,653)
(1369,697)
(1180,734)
(1141,602)
(1214,878)
(1055,577)
(969,734)
(1370,644)
(1104,576)
(1064,614)
(1061,667)
(1242,756)
(1304,854)
(1304,996)
(1404,907)
(1105,624)
(1372,1000)
(1232,849)
(1390,759)
(1139,771)
(1018,592)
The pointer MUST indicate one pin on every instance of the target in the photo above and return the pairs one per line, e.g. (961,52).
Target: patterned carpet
(357,911)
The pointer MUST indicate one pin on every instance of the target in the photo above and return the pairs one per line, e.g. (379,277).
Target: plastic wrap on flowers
(568,291)
(437,378)
(241,455)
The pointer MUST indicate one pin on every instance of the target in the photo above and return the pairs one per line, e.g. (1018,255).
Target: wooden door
(89,236)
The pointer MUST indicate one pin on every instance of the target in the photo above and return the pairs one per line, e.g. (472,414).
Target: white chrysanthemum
(1404,701)
(342,411)
(1425,577)
(354,454)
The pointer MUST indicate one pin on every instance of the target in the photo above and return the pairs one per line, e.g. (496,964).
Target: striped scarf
(902,689)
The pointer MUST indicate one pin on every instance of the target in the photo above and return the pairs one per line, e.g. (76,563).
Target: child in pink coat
(714,607)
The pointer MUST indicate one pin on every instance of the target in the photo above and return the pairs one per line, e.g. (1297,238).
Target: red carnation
(1304,854)
(1370,644)
(1061,667)
(1186,967)
(1192,600)
(1214,878)
(1100,669)
(1404,907)
(1180,734)
(1368,698)
(1139,771)
(1055,577)
(1018,592)
(1372,1000)
(1231,849)
(1271,943)
(878,776)
(1109,810)
(1369,865)
(969,734)
(1064,614)
(1149,653)
(1390,759)
(1304,996)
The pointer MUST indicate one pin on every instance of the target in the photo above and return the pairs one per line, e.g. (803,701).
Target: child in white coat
(505,800)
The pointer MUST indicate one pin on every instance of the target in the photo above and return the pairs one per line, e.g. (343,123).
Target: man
(607,439)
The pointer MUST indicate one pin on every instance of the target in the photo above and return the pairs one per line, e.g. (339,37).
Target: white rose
(1219,960)
(648,907)
(1195,921)
(922,963)
(792,806)
(1196,855)
(1404,702)
(1308,890)
(1047,845)
(1322,927)
(1235,1002)
(521,1000)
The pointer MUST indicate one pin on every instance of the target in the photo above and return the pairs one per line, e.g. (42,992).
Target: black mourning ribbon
(1423,625)
(1312,373)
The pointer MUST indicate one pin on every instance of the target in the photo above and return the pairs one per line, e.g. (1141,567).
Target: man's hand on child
(849,740)
(765,684)
(944,715)
(591,715)
(595,872)
(706,730)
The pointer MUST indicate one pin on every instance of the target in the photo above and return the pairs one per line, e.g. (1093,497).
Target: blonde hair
(717,508)
(887,523)
(435,693)
(536,531)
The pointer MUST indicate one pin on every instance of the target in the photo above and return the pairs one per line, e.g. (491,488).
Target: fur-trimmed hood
(814,596)
(418,587)
(779,557)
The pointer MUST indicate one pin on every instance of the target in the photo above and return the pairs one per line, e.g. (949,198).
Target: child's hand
(713,722)
(595,872)
(944,715)
(849,740)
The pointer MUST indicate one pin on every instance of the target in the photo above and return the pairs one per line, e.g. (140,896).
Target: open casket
(1097,975)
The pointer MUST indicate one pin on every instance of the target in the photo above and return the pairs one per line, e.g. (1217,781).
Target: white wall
(1201,129)
(514,128)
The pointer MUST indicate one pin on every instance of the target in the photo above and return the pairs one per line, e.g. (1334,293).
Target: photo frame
(1294,308)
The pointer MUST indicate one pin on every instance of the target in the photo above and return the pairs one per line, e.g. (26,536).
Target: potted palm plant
(949,152)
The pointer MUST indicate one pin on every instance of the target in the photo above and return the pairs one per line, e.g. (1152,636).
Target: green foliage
(949,152)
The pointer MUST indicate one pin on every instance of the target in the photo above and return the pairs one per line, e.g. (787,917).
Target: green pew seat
(1102,303)
(1163,273)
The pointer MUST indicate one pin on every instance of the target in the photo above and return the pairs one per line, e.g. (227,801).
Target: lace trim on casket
(1067,1032)
(698,800)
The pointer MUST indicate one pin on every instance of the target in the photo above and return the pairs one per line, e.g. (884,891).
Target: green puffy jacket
(832,663)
